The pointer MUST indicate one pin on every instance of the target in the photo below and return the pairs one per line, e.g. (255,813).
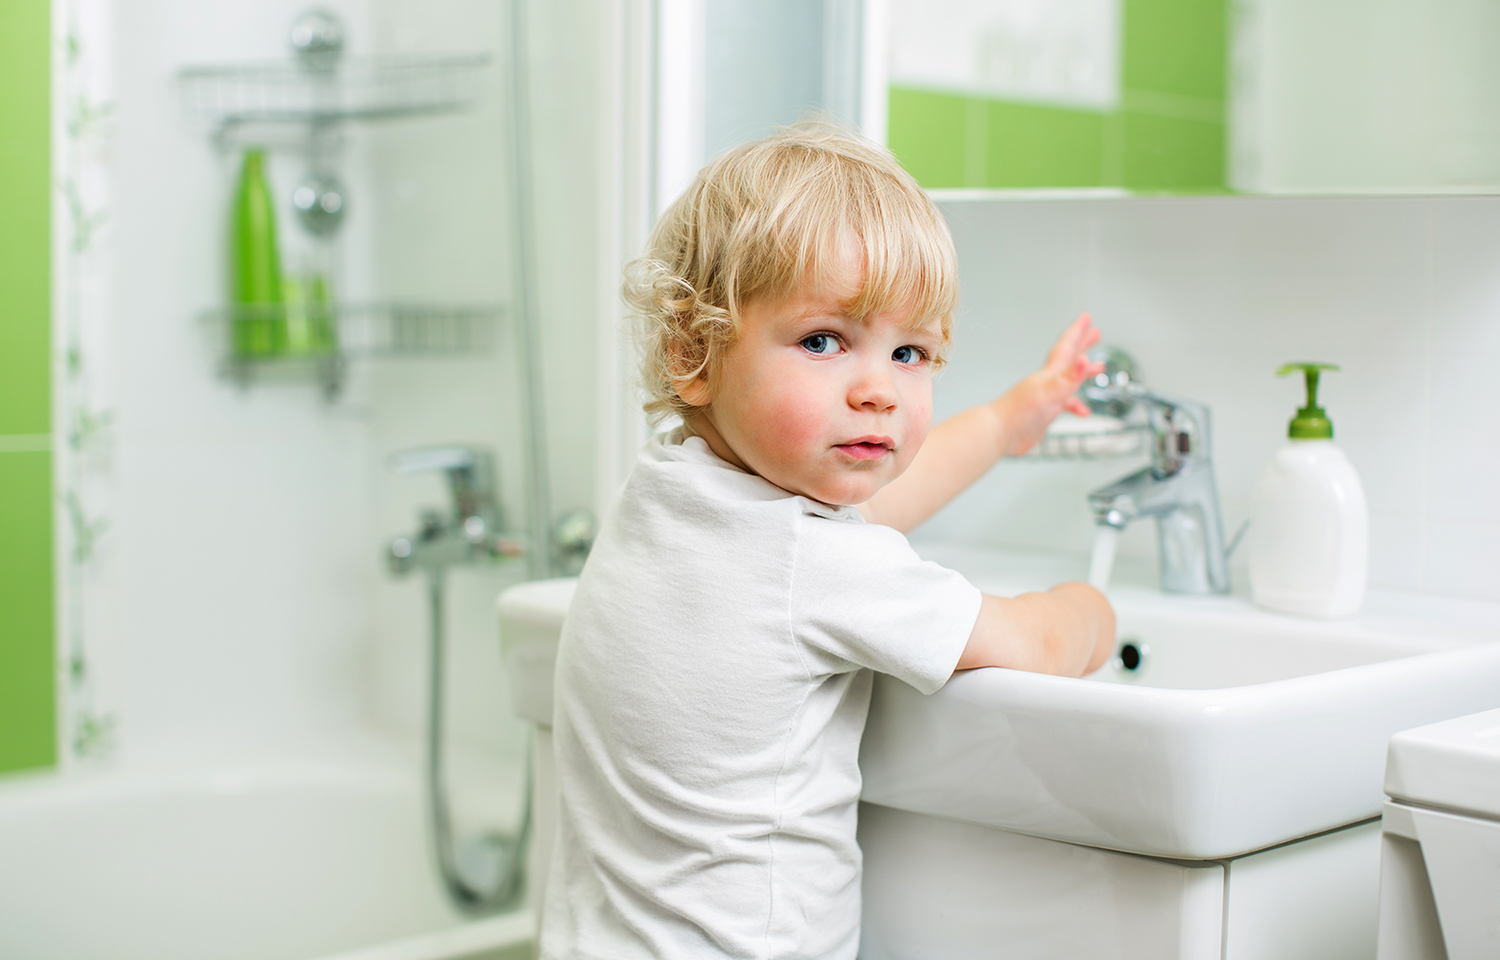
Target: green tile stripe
(1176,47)
(25,218)
(1168,133)
(927,132)
(28,725)
(1037,146)
(28,730)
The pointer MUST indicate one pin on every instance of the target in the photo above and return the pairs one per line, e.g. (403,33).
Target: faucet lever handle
(447,458)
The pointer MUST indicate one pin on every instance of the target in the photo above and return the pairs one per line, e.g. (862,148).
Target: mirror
(1322,97)
(1197,96)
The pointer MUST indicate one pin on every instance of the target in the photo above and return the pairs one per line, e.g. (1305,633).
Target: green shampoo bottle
(259,311)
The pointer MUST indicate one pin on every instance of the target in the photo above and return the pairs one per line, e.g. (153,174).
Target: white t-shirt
(709,707)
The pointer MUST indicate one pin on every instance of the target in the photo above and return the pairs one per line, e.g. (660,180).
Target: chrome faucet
(1177,489)
(483,873)
(471,532)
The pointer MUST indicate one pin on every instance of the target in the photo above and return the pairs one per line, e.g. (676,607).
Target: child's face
(816,402)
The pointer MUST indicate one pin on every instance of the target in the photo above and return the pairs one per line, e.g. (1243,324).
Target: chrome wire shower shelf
(323,336)
(356,88)
(1092,438)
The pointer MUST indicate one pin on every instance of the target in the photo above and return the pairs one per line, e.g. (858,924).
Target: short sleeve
(861,597)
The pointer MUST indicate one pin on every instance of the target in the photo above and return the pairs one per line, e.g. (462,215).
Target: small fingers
(1080,335)
(1088,370)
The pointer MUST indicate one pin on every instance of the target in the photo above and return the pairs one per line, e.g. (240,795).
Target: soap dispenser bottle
(1310,530)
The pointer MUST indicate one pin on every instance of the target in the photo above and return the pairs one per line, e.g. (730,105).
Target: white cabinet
(960,891)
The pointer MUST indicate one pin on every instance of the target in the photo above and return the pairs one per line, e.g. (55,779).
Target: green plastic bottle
(310,325)
(255,266)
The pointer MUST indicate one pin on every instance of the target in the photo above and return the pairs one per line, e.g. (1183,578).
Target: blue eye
(821,344)
(908,354)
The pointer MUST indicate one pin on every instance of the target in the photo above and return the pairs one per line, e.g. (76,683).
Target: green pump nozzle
(1311,422)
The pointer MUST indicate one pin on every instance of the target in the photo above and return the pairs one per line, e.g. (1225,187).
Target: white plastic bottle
(1310,530)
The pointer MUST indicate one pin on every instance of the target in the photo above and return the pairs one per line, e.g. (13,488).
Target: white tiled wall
(242,599)
(233,577)
(1211,295)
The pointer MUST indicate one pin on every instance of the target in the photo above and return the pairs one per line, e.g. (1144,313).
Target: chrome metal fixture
(471,532)
(1120,370)
(317,38)
(573,537)
(320,203)
(1177,489)
(482,874)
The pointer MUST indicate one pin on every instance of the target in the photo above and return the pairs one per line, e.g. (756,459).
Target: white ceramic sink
(1240,730)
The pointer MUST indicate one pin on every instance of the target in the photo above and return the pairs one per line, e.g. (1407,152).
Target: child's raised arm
(1068,631)
(958,451)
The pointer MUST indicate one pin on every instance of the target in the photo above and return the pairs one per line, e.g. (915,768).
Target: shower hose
(486,874)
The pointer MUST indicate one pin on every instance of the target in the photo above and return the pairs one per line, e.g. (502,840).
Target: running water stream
(1103,560)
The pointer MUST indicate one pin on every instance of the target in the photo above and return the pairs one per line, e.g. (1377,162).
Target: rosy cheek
(920,408)
(780,418)
(797,427)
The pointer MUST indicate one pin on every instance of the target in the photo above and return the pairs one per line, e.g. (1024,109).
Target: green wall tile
(25,205)
(1037,146)
(926,133)
(1171,154)
(28,724)
(27,680)
(1177,46)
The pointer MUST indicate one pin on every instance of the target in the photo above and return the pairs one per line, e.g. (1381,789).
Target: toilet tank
(531,618)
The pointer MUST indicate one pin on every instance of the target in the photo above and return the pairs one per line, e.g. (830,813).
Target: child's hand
(1069,631)
(1031,405)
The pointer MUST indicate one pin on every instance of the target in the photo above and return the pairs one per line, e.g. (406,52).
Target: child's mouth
(866,448)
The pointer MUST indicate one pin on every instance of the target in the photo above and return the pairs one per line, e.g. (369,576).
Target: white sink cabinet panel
(1317,899)
(959,891)
(940,888)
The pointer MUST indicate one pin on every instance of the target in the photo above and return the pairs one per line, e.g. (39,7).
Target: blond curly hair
(761,219)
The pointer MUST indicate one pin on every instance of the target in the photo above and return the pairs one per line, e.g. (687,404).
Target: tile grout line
(25,443)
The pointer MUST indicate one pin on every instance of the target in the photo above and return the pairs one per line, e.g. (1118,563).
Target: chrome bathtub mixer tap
(484,873)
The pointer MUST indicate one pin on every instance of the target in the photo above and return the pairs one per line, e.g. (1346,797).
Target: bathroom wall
(231,595)
(27,728)
(237,601)
(1211,295)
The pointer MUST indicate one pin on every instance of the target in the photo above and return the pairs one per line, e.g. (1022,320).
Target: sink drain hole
(1132,656)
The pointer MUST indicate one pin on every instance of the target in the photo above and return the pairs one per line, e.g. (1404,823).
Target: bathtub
(271,861)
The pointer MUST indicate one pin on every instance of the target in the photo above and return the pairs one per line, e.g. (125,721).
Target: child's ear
(695,391)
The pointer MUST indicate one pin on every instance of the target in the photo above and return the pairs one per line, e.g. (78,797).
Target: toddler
(714,672)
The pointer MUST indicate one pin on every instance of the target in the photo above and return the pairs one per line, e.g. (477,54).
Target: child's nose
(873,389)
